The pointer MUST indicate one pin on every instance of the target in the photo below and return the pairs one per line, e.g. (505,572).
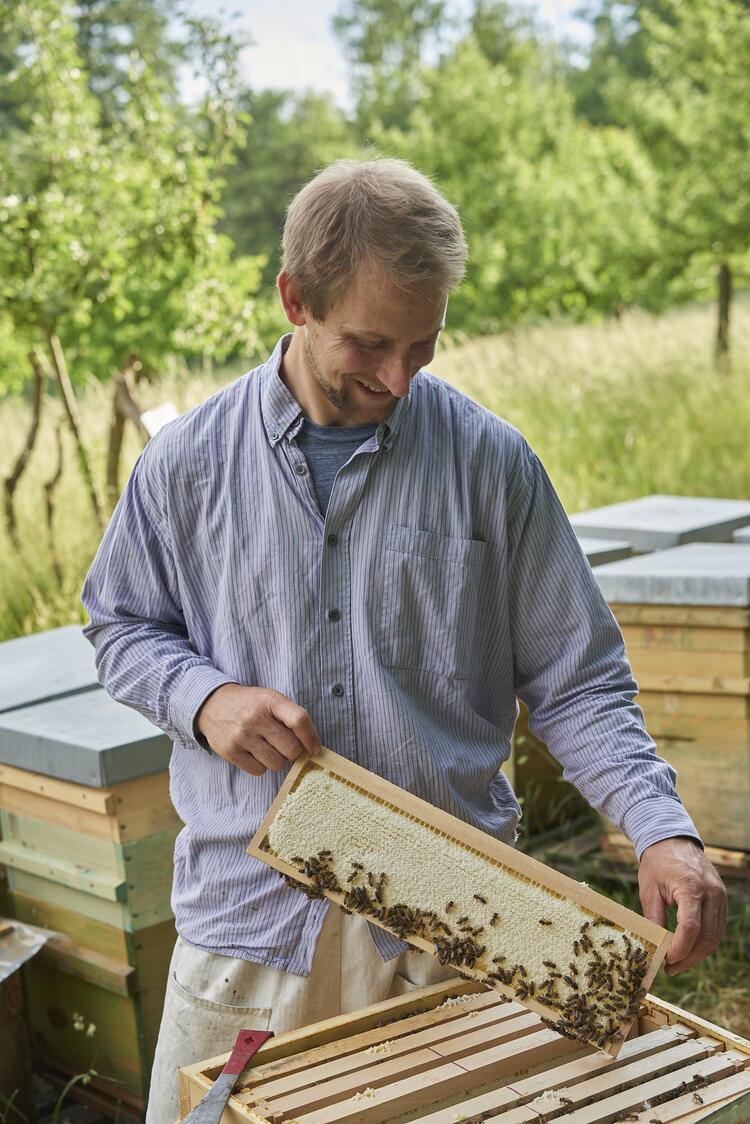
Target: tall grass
(623,408)
(615,410)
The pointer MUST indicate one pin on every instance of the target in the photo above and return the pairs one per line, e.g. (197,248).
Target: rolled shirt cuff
(662,817)
(197,683)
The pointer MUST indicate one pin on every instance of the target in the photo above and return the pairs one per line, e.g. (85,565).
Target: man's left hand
(676,872)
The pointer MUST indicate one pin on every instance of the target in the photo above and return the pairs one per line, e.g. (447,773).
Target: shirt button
(275,435)
(334,615)
(300,469)
(337,690)
(332,540)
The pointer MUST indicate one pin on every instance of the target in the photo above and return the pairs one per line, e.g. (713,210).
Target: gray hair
(381,211)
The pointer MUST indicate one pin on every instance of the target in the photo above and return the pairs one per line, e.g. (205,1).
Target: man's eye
(367,346)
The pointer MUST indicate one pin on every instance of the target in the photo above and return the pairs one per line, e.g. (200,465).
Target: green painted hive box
(88,834)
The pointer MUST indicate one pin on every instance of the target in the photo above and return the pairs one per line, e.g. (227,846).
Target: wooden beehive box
(685,617)
(569,954)
(457,1052)
(88,833)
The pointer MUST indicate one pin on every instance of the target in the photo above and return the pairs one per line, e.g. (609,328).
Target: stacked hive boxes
(609,534)
(685,615)
(88,835)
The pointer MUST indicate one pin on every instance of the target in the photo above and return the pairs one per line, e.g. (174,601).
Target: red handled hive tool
(213,1104)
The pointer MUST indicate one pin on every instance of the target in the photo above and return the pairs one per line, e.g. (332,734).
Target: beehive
(87,838)
(685,617)
(458,1052)
(661,522)
(571,955)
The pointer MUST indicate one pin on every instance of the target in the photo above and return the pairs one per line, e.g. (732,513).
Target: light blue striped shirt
(459,585)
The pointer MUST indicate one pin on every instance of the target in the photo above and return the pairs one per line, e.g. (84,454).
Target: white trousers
(210,998)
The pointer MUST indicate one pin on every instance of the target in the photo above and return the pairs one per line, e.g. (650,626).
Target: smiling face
(351,367)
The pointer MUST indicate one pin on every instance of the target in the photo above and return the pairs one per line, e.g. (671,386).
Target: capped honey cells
(481,918)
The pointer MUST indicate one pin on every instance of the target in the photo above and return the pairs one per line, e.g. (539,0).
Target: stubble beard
(340,397)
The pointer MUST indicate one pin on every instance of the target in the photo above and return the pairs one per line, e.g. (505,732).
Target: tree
(386,42)
(617,49)
(505,34)
(553,209)
(110,258)
(110,32)
(289,138)
(693,114)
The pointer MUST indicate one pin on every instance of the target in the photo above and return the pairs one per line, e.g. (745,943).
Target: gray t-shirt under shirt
(326,449)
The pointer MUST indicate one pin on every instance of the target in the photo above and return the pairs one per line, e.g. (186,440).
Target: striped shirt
(457,584)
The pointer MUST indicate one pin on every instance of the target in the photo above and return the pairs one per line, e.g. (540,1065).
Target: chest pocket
(429,602)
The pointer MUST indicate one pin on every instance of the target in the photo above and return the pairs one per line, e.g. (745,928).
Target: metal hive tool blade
(210,1109)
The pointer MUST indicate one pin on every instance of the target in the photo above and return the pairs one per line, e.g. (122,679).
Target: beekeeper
(340,547)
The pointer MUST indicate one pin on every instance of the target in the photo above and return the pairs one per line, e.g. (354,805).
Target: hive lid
(742,536)
(599,551)
(87,738)
(47,665)
(659,522)
(696,574)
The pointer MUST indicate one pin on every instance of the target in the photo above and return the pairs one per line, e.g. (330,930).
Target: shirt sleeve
(572,672)
(143,653)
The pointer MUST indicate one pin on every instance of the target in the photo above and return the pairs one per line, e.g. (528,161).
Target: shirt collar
(282,415)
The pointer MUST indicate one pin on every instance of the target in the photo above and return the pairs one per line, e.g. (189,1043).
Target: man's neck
(293,373)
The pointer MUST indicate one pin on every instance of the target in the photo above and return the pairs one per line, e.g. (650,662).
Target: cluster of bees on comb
(598,988)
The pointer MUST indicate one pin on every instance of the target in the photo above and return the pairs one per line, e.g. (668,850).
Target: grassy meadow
(615,410)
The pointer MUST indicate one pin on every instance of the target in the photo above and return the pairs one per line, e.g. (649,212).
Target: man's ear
(291,299)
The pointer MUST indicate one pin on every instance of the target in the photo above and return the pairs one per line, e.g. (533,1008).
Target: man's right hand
(256,728)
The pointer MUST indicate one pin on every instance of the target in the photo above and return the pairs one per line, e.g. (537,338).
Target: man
(340,547)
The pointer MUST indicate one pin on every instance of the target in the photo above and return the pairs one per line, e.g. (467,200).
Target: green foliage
(109,233)
(506,34)
(676,74)
(13,358)
(584,187)
(693,113)
(556,213)
(109,32)
(288,139)
(386,42)
(54,245)
(617,48)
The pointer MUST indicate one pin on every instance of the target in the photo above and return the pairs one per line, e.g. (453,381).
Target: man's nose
(395,374)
